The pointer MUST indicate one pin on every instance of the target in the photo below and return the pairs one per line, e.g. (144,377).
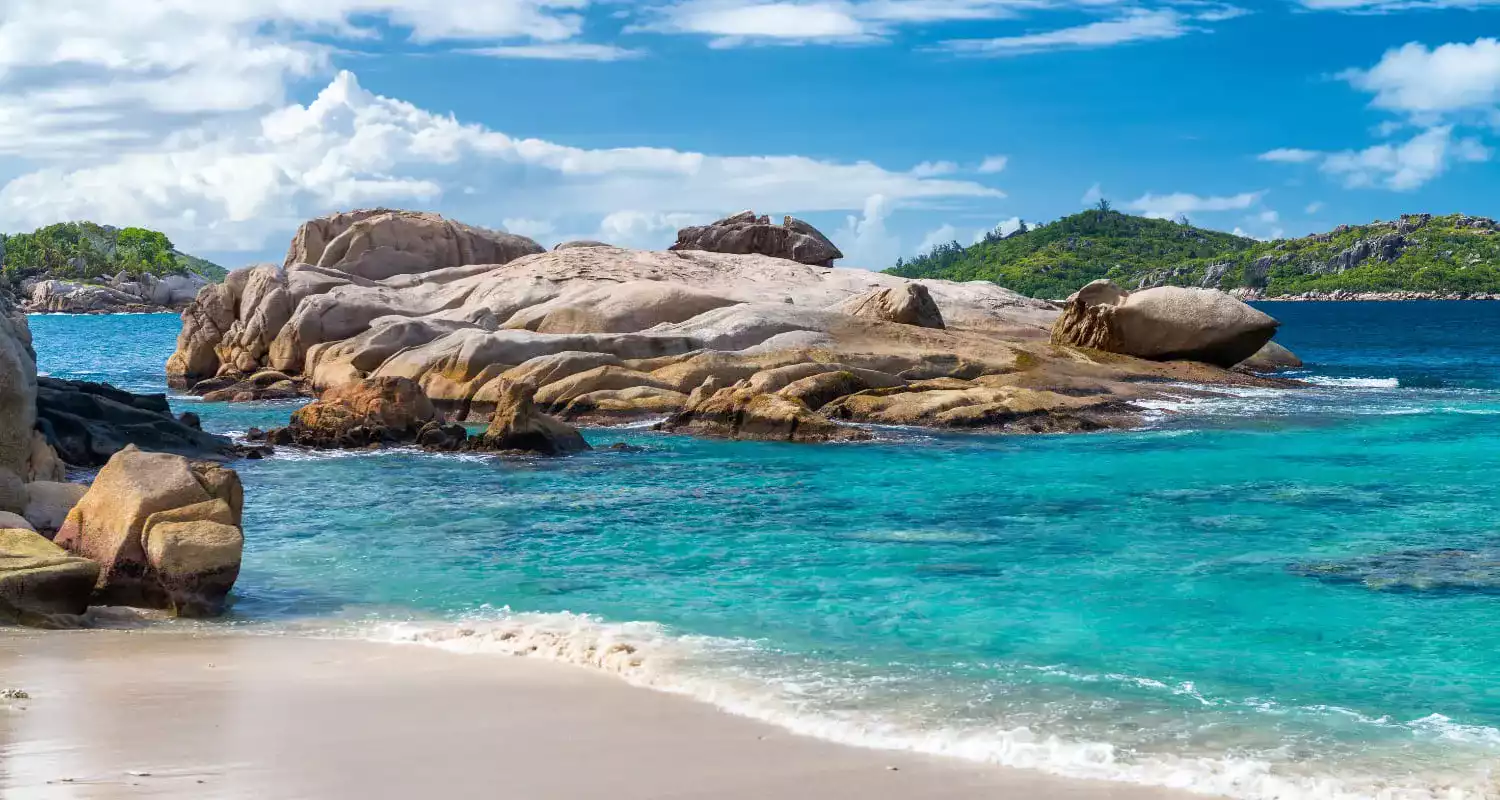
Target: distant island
(85,267)
(1418,255)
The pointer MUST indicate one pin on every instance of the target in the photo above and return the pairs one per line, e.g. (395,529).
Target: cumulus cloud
(231,189)
(1406,165)
(1448,79)
(865,240)
(1386,6)
(1093,195)
(1313,207)
(1168,206)
(942,235)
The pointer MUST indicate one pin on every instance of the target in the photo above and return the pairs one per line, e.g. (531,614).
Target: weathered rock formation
(164,531)
(607,334)
(123,293)
(911,304)
(746,233)
(371,412)
(87,423)
(17,407)
(1272,358)
(40,584)
(518,426)
(1165,323)
(48,504)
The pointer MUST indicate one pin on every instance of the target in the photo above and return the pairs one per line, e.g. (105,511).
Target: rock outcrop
(88,423)
(1272,358)
(40,584)
(745,233)
(48,504)
(518,426)
(164,531)
(381,243)
(1165,323)
(609,334)
(371,412)
(124,293)
(911,304)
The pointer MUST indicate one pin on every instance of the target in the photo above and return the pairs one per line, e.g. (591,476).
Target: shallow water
(1208,603)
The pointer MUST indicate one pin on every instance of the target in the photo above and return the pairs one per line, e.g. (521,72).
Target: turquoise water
(1180,605)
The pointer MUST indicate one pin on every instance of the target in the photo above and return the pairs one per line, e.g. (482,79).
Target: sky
(892,125)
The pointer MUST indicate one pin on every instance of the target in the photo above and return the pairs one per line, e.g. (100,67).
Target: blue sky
(891,124)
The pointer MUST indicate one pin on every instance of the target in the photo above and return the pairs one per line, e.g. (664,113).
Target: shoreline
(192,714)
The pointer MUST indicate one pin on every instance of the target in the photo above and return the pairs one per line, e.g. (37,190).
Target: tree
(1104,206)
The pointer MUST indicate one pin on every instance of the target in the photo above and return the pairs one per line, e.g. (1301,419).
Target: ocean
(1270,594)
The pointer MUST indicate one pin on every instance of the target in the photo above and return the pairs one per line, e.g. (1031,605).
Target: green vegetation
(1420,253)
(88,251)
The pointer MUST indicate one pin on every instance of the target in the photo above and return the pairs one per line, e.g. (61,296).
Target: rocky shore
(761,338)
(121,294)
(1347,296)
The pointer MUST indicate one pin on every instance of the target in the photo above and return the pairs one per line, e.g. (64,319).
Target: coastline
(192,714)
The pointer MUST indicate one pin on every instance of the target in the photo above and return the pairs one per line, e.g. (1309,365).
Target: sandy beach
(115,714)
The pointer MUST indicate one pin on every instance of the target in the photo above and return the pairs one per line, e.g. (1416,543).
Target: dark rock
(191,420)
(746,233)
(255,435)
(87,423)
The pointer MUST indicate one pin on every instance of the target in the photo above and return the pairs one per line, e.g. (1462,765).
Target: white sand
(117,714)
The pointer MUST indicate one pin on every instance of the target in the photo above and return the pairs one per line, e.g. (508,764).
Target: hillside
(88,251)
(1419,253)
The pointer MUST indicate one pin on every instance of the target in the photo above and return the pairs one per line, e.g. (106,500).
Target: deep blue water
(1288,593)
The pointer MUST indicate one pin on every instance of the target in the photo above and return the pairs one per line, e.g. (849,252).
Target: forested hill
(88,251)
(1419,252)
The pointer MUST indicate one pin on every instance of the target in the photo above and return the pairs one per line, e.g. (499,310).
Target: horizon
(624,122)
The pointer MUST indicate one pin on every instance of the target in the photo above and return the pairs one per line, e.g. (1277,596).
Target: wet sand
(126,714)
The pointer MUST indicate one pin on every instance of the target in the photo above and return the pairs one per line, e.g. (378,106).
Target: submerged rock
(743,411)
(164,531)
(40,584)
(1164,324)
(744,232)
(1418,571)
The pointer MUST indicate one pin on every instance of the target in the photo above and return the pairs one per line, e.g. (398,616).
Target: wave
(713,670)
(1354,383)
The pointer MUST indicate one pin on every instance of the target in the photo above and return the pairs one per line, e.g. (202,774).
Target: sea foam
(649,655)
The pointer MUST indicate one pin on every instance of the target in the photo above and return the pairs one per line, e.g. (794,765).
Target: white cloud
(533,228)
(864,239)
(559,51)
(1168,206)
(231,189)
(1451,78)
(1407,165)
(1132,26)
(1268,216)
(737,22)
(1093,195)
(1006,227)
(930,169)
(1289,155)
(646,229)
(992,165)
(1313,207)
(942,235)
(1383,6)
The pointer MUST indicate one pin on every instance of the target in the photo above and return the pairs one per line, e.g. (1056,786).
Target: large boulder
(387,410)
(87,423)
(165,532)
(744,232)
(1272,358)
(617,308)
(1166,323)
(48,504)
(381,244)
(518,426)
(909,304)
(40,584)
(17,407)
(204,322)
